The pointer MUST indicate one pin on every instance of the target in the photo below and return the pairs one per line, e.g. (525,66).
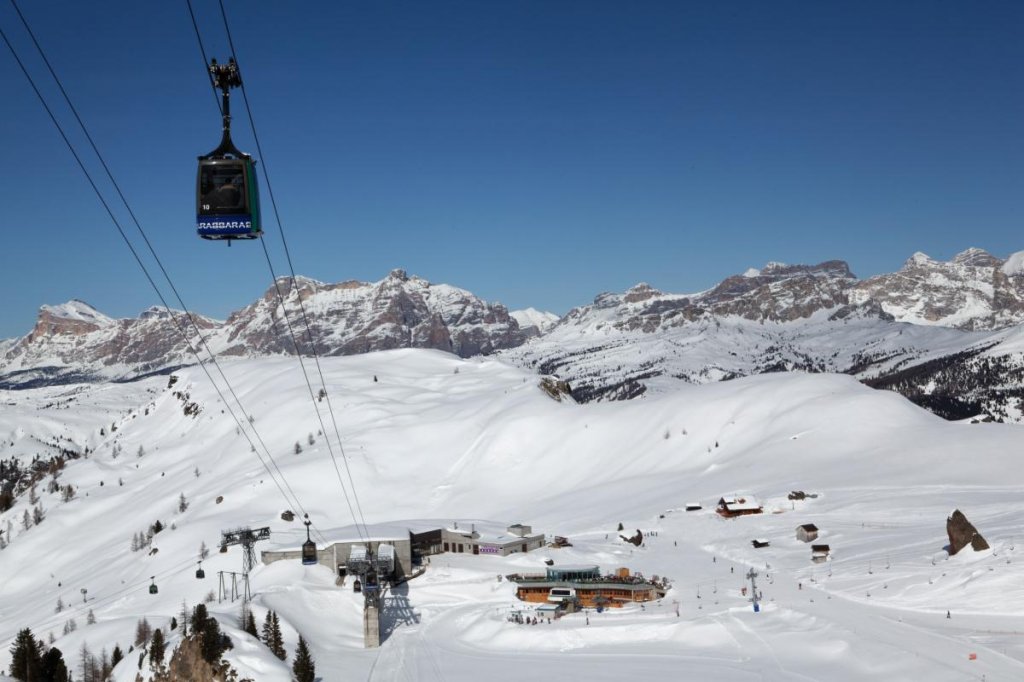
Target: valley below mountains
(947,335)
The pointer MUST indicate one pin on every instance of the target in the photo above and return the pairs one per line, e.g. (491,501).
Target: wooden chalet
(738,505)
(807,532)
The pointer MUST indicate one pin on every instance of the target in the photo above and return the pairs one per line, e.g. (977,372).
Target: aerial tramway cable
(312,344)
(242,428)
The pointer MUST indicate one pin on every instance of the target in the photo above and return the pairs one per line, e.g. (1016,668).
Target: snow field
(483,443)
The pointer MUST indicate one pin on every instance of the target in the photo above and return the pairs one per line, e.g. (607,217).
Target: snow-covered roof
(740,502)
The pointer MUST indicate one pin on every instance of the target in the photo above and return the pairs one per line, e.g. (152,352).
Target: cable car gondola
(152,588)
(357,586)
(200,573)
(227,197)
(309,556)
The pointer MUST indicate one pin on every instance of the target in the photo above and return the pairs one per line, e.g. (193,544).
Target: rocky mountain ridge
(74,342)
(942,333)
(939,332)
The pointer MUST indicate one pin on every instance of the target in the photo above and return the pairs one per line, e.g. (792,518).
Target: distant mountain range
(947,335)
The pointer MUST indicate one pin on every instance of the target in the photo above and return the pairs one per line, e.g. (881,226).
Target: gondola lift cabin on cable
(227,196)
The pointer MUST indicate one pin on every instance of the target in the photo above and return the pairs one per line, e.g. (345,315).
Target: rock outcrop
(962,533)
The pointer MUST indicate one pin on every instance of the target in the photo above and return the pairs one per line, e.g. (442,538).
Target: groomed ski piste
(428,436)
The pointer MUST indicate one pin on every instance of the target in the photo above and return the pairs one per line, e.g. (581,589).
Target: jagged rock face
(781,293)
(909,332)
(802,318)
(75,342)
(778,293)
(357,317)
(961,534)
(971,292)
(75,334)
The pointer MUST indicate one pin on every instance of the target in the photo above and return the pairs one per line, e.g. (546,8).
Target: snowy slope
(436,437)
(531,317)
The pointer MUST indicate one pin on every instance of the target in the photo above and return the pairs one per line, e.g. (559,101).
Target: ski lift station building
(392,542)
(478,538)
(421,538)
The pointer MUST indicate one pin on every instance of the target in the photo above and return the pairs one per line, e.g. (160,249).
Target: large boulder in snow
(961,533)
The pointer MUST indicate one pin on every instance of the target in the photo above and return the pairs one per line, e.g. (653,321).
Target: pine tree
(250,625)
(26,520)
(52,667)
(174,623)
(86,664)
(304,668)
(199,616)
(183,614)
(203,551)
(143,631)
(38,514)
(298,448)
(182,503)
(208,629)
(105,667)
(116,656)
(278,647)
(25,656)
(267,632)
(60,605)
(90,618)
(156,648)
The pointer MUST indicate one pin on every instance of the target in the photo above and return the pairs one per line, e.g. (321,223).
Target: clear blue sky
(534,152)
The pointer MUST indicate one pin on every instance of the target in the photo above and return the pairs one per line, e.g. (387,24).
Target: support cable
(142,265)
(302,309)
(277,288)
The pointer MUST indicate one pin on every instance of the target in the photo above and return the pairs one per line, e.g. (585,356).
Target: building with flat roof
(490,540)
(591,588)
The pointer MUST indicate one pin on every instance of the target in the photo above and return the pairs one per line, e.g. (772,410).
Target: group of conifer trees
(33,661)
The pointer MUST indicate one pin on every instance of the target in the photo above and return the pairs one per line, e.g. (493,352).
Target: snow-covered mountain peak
(640,292)
(531,317)
(752,272)
(971,291)
(75,311)
(976,258)
(919,258)
(1014,265)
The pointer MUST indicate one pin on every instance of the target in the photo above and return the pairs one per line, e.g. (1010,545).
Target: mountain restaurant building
(591,588)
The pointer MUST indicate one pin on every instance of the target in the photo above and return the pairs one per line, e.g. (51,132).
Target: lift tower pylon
(247,538)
